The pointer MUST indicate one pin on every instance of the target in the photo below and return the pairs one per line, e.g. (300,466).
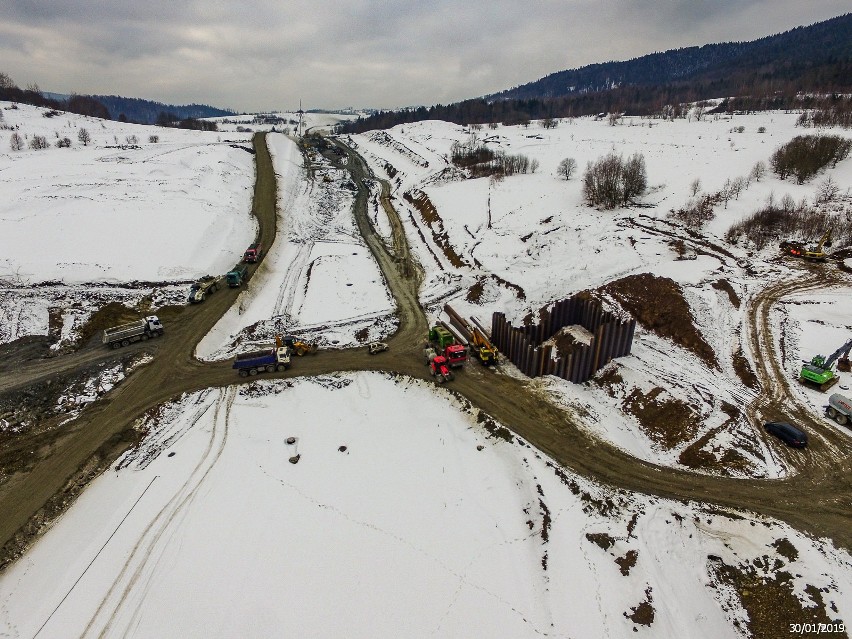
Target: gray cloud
(260,54)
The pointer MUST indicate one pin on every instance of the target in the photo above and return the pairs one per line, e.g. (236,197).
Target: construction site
(620,367)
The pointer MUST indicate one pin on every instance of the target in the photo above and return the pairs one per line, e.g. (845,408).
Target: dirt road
(816,501)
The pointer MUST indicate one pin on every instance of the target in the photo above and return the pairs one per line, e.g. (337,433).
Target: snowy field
(119,210)
(319,279)
(531,239)
(388,525)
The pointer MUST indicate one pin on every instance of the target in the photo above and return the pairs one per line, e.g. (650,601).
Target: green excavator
(820,370)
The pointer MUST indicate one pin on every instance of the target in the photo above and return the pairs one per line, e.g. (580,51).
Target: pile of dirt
(658,305)
(767,595)
(668,422)
(725,285)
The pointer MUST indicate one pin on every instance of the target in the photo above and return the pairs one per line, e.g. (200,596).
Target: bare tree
(695,187)
(827,191)
(492,125)
(567,168)
(16,141)
(758,171)
(131,139)
(153,139)
(612,182)
(549,123)
(84,136)
(613,118)
(737,187)
(63,143)
(6,82)
(39,142)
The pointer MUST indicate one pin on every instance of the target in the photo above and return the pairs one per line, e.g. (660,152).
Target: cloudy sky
(267,54)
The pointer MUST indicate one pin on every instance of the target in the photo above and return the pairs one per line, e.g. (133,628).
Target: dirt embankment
(430,215)
(658,305)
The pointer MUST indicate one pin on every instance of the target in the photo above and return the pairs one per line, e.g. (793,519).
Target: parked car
(787,433)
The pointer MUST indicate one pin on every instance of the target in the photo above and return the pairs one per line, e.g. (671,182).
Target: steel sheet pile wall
(611,338)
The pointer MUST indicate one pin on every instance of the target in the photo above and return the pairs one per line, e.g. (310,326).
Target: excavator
(296,346)
(819,371)
(813,253)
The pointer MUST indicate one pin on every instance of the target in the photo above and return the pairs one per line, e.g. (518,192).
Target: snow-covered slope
(388,525)
(118,210)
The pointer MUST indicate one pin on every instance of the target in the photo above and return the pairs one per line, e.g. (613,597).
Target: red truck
(253,253)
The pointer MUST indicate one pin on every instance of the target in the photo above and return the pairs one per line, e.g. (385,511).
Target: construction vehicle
(815,253)
(207,285)
(376,347)
(476,335)
(236,277)
(268,359)
(296,345)
(445,343)
(253,253)
(819,371)
(839,409)
(440,369)
(142,329)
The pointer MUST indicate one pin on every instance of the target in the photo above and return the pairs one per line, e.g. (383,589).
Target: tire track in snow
(137,564)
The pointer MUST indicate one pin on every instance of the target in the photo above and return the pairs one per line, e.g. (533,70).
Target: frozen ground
(388,525)
(319,280)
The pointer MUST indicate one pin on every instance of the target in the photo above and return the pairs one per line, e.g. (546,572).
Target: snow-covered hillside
(388,524)
(121,208)
(517,244)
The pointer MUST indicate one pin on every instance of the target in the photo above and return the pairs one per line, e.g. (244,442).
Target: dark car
(787,433)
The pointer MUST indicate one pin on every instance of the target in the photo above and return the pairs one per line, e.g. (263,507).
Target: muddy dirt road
(817,500)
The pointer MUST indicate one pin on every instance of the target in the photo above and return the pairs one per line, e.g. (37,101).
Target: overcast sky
(267,54)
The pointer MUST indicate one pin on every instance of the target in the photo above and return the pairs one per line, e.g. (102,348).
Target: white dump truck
(207,285)
(141,329)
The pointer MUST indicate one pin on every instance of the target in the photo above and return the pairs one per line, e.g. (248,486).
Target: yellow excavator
(296,346)
(811,253)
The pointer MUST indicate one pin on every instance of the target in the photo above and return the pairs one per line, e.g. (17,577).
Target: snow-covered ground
(121,209)
(535,233)
(319,279)
(114,211)
(389,524)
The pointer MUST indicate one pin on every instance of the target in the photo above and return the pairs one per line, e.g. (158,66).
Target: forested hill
(812,52)
(772,72)
(149,112)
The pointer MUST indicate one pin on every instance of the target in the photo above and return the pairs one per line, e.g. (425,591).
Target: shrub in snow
(612,181)
(39,142)
(16,141)
(806,155)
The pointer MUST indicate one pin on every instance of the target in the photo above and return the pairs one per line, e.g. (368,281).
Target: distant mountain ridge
(781,56)
(148,112)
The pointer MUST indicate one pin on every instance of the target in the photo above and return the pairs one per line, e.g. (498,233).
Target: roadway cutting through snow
(815,500)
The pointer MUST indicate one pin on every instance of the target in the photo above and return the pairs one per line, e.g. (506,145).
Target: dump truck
(253,253)
(141,329)
(207,285)
(236,277)
(442,339)
(839,409)
(268,359)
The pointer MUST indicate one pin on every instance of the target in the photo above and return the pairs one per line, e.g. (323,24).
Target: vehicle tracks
(815,499)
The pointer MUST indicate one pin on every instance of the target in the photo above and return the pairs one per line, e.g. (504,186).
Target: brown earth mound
(658,305)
